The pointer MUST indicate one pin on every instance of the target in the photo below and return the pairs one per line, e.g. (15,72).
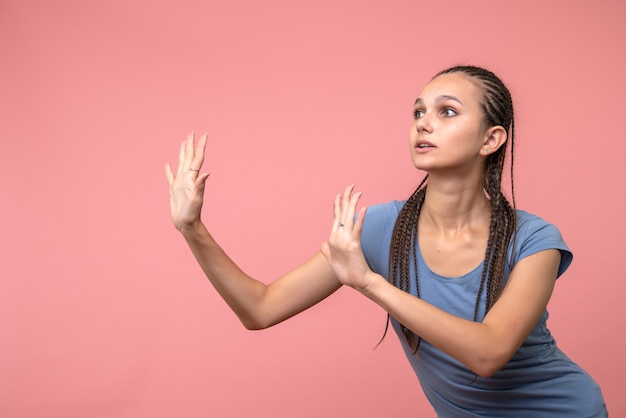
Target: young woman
(464,276)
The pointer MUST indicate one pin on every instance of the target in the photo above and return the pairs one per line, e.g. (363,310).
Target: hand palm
(343,248)
(187,186)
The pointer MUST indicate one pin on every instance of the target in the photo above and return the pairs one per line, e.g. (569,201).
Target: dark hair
(497,105)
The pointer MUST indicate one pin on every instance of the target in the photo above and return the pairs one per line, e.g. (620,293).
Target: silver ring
(193,169)
(340,224)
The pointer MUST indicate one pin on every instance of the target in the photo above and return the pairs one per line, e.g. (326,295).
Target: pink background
(103,311)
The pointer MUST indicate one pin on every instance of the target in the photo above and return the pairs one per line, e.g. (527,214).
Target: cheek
(459,135)
(466,136)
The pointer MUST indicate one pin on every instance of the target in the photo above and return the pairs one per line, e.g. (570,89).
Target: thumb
(201,180)
(325,249)
(169,174)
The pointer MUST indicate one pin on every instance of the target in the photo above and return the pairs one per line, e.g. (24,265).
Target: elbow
(486,371)
(253,326)
(489,365)
(255,322)
(258,318)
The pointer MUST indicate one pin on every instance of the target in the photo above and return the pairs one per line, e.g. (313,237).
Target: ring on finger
(341,224)
(193,169)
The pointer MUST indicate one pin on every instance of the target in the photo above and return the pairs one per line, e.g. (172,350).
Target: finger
(168,174)
(181,158)
(351,210)
(188,150)
(345,202)
(346,217)
(345,197)
(198,157)
(358,226)
(336,211)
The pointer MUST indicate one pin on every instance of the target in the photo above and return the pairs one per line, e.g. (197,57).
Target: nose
(422,124)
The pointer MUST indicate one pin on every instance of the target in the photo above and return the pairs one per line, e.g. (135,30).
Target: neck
(453,205)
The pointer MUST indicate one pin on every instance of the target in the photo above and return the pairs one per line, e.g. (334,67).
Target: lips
(422,144)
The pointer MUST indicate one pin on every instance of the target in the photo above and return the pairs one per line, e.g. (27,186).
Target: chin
(420,164)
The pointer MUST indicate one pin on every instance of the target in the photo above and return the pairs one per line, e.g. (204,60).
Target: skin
(454,222)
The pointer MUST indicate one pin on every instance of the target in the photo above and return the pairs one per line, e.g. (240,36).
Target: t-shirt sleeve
(376,235)
(535,235)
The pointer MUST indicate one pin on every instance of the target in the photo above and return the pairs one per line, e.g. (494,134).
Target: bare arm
(483,347)
(256,304)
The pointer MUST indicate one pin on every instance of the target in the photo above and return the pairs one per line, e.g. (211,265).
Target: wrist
(378,290)
(371,283)
(191,230)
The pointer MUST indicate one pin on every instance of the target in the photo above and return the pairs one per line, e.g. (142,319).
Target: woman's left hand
(343,248)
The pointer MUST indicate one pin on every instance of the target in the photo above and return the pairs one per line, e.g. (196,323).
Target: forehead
(454,84)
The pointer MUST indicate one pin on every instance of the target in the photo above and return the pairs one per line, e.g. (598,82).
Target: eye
(448,112)
(418,113)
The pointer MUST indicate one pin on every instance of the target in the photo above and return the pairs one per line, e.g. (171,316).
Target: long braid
(497,106)
(403,244)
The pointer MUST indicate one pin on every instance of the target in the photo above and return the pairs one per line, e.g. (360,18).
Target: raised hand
(343,248)
(187,186)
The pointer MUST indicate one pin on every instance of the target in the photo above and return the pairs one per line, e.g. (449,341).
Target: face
(448,131)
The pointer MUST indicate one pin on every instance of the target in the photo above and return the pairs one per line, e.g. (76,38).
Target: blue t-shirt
(539,381)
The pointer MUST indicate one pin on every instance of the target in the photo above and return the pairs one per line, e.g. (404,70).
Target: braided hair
(497,105)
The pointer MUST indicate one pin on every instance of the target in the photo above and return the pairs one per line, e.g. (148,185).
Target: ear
(495,137)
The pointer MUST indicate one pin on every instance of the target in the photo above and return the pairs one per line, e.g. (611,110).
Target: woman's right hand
(187,186)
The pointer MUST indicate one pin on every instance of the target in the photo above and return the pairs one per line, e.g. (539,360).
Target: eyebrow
(441,98)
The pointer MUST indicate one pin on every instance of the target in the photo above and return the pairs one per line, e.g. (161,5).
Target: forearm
(242,293)
(485,346)
(474,344)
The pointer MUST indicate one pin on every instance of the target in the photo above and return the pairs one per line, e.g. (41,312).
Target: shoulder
(378,226)
(384,212)
(381,218)
(531,228)
(534,234)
